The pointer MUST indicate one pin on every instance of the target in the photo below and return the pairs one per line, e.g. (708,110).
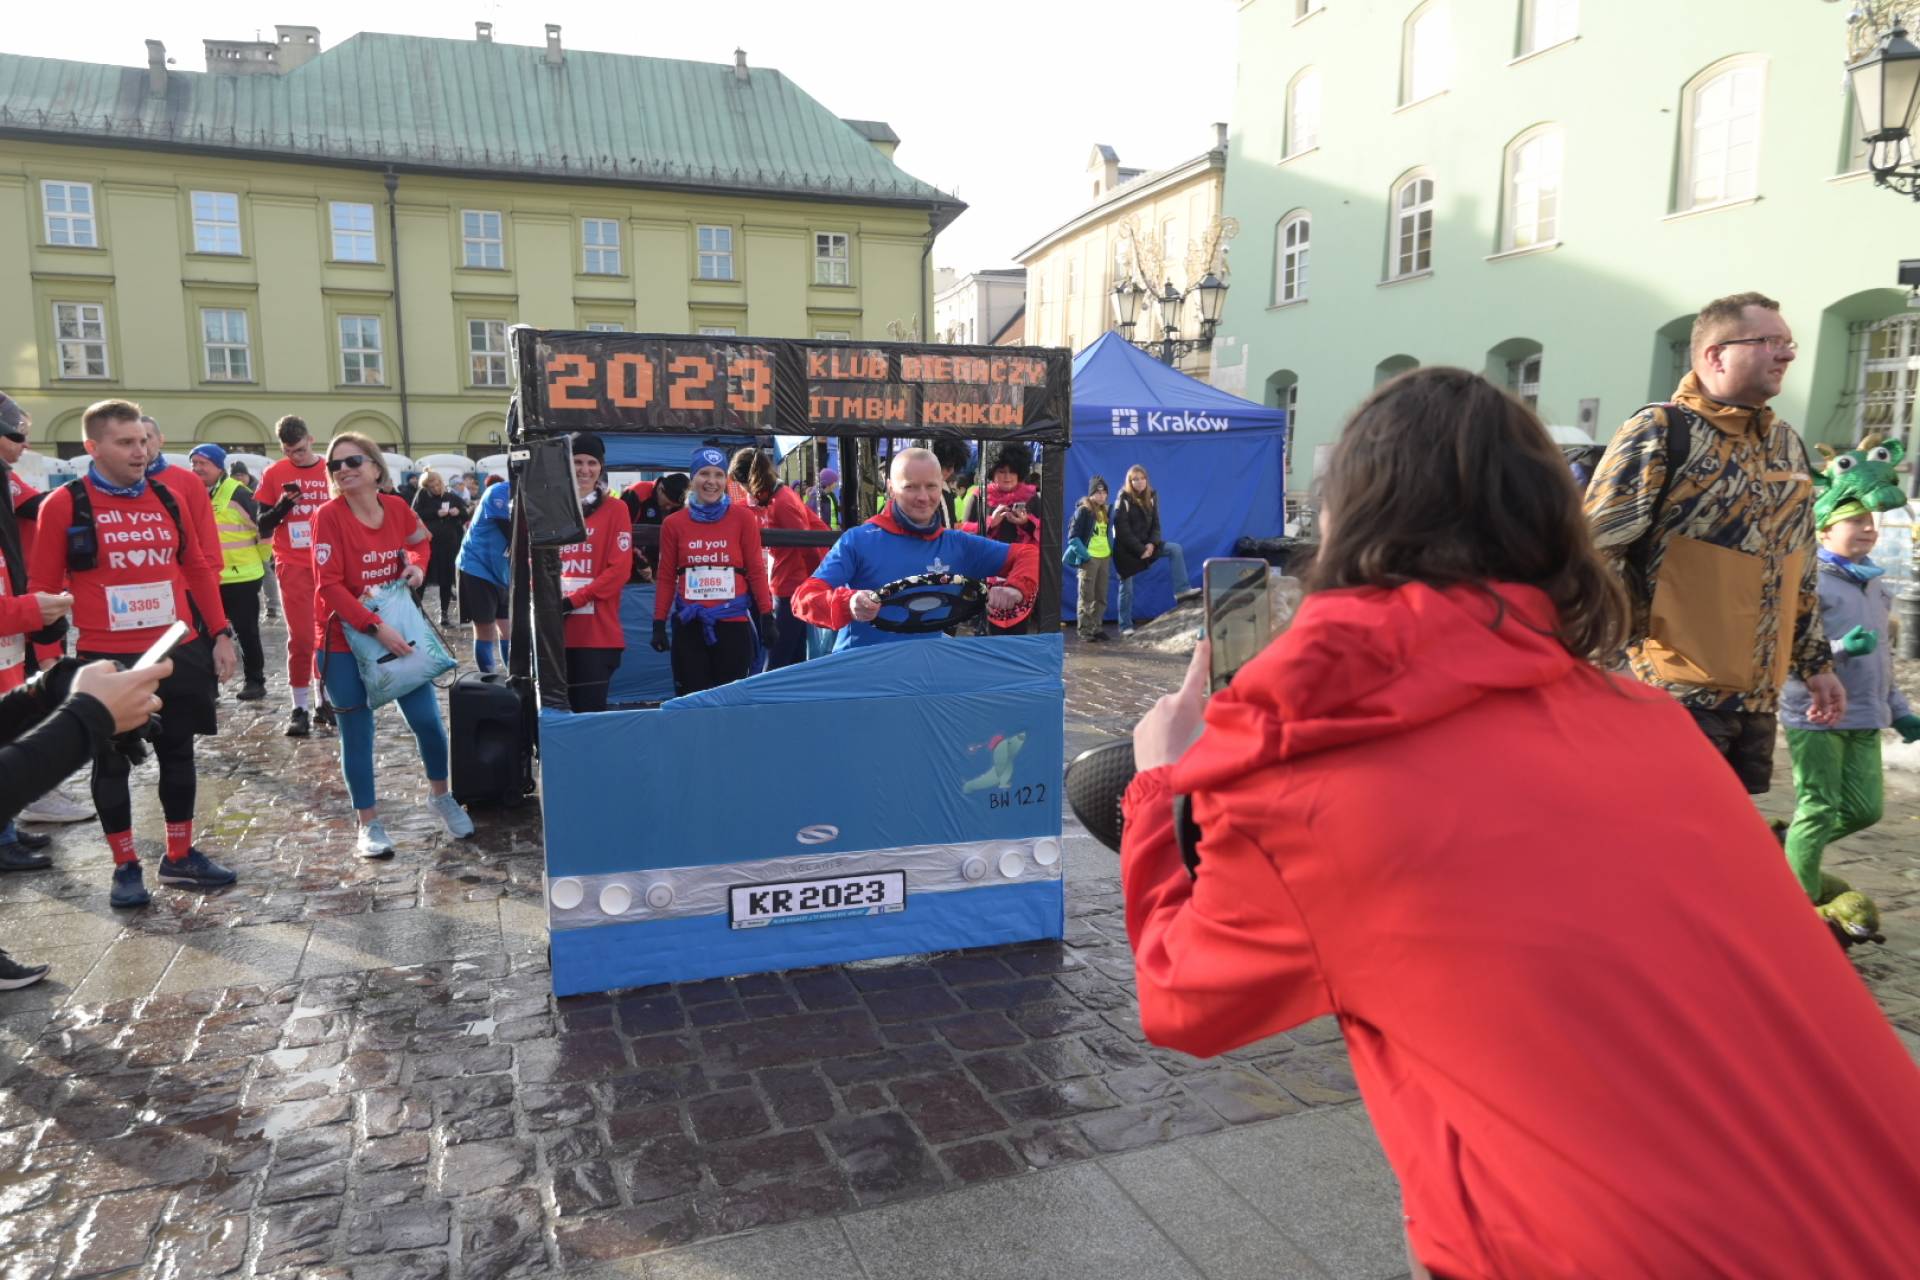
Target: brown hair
(368,447)
(754,469)
(102,412)
(1717,317)
(291,429)
(1150,499)
(1441,477)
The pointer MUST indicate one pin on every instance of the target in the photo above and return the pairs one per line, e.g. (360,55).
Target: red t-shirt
(293,537)
(143,577)
(19,616)
(687,547)
(348,558)
(593,573)
(791,565)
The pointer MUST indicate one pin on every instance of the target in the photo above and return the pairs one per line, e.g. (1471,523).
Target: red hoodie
(687,545)
(594,572)
(1597,1027)
(791,565)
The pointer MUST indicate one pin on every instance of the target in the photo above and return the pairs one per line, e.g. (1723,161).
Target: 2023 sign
(663,384)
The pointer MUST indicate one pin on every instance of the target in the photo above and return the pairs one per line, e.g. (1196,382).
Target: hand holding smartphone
(1239,619)
(160,648)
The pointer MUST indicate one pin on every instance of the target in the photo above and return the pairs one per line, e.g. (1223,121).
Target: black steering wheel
(928,602)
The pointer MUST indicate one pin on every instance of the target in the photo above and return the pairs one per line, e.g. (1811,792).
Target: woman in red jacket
(777,506)
(593,573)
(1596,1028)
(713,577)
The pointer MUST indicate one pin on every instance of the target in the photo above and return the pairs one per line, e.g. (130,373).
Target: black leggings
(111,797)
(698,665)
(589,675)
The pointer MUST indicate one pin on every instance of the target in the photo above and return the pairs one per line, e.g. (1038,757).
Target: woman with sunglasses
(362,539)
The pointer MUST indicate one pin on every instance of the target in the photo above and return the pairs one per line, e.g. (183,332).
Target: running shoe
(299,725)
(251,691)
(196,870)
(323,717)
(17,857)
(459,825)
(1125,632)
(56,807)
(14,975)
(373,842)
(129,887)
(31,841)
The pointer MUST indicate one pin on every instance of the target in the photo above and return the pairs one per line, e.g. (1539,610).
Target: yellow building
(348,234)
(1152,228)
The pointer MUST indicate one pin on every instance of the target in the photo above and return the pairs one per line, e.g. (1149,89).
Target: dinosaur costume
(1836,767)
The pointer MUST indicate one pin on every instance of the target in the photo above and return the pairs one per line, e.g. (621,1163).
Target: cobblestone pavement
(350,1069)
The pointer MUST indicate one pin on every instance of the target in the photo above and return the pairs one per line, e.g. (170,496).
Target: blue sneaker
(196,869)
(129,887)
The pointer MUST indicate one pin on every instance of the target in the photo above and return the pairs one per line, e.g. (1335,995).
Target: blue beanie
(212,453)
(707,456)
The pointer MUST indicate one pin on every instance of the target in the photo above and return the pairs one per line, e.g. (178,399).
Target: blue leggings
(421,708)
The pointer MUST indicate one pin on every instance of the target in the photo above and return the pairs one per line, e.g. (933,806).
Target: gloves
(660,637)
(1909,727)
(769,631)
(1859,642)
(567,605)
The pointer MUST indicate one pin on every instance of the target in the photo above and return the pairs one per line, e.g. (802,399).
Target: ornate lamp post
(1211,294)
(1886,90)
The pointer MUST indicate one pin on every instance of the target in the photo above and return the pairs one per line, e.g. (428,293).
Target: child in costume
(1836,767)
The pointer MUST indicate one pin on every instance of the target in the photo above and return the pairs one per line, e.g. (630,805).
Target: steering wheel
(928,602)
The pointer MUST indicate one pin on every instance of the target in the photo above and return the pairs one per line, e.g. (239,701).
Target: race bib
(138,606)
(13,652)
(708,583)
(570,584)
(300,535)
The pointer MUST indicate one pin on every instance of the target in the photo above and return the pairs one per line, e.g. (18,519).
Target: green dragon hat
(1859,481)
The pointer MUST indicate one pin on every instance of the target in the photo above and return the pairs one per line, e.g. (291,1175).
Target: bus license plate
(752,906)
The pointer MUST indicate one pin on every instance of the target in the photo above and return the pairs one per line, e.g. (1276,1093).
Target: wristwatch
(225,632)
(372,628)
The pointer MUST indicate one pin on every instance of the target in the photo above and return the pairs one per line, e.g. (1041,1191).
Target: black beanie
(592,445)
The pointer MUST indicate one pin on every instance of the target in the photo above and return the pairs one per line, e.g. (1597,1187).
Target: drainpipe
(399,317)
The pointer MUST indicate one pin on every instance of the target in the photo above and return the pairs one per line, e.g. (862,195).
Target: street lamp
(1211,294)
(1886,91)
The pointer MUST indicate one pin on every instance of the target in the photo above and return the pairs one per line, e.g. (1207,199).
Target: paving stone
(409,1266)
(501,1238)
(911,1060)
(625,1233)
(979,1031)
(645,1124)
(884,1159)
(979,1161)
(1128,1128)
(1317,1076)
(588,1055)
(413,1226)
(555,1106)
(762,1159)
(476,1166)
(723,1117)
(398,1152)
(824,989)
(572,1145)
(1240,1096)
(814,1193)
(387,1112)
(780,1042)
(654,1085)
(117,1233)
(946,1107)
(666,1167)
(298,1234)
(1057,1100)
(580,1188)
(798,1094)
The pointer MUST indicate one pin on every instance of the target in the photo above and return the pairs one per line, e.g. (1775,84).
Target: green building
(347,234)
(1547,190)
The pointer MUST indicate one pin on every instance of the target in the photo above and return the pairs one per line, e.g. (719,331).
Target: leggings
(341,676)
(698,665)
(174,751)
(590,676)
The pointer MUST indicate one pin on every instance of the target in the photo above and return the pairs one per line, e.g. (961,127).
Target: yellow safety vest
(239,539)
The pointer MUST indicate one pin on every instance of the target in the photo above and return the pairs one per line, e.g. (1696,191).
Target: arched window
(1392,367)
(1426,53)
(1303,112)
(1412,249)
(1545,23)
(1515,364)
(1720,133)
(1533,164)
(1290,250)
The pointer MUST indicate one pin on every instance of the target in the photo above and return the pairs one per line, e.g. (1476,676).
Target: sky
(997,101)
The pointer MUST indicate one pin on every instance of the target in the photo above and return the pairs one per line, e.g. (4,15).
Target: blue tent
(1214,458)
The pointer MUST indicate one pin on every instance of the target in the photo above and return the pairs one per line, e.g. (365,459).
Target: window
(1303,112)
(69,210)
(216,222)
(1533,189)
(605,326)
(352,232)
(1290,258)
(1302,8)
(1413,227)
(1073,277)
(1170,245)
(224,331)
(1721,134)
(360,358)
(716,253)
(718,331)
(80,333)
(487,352)
(601,239)
(1426,54)
(830,263)
(1545,23)
(1889,375)
(1523,379)
(833,335)
(481,242)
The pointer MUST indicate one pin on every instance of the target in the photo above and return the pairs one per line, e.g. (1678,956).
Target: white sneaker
(56,807)
(459,825)
(372,841)
(1125,632)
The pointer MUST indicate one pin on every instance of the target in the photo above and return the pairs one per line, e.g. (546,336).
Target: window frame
(717,331)
(1903,404)
(475,354)
(1436,9)
(588,248)
(1684,200)
(1527,392)
(833,335)
(216,225)
(497,241)
(335,231)
(378,350)
(1510,190)
(227,345)
(1530,12)
(702,254)
(1397,215)
(72,220)
(1292,261)
(61,345)
(604,326)
(844,260)
(1291,144)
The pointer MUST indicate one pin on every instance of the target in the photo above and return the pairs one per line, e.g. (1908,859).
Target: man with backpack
(120,541)
(1704,505)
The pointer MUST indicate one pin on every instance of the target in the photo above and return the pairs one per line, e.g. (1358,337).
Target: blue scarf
(1861,571)
(158,465)
(900,518)
(101,483)
(706,513)
(685,611)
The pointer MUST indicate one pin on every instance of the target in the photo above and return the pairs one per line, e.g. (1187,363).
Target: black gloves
(769,631)
(566,605)
(660,637)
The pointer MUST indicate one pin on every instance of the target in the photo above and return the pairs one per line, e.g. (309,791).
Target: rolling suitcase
(489,765)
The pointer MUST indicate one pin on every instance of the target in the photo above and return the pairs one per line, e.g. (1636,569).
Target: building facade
(1155,228)
(348,234)
(977,307)
(1547,190)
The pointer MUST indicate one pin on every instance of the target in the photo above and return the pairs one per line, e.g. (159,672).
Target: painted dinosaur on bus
(1864,474)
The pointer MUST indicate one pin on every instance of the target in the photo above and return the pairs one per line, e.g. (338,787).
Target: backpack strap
(1678,420)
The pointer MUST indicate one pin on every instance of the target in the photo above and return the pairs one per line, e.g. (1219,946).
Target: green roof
(474,106)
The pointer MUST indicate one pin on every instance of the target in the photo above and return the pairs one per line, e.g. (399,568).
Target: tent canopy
(1214,458)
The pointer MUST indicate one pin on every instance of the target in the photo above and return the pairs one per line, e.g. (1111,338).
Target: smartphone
(1020,508)
(160,648)
(1239,620)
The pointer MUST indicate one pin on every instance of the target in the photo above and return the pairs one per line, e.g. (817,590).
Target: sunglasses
(353,461)
(18,437)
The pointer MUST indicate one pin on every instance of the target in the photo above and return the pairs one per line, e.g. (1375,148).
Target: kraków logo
(820,833)
(1126,422)
(1185,420)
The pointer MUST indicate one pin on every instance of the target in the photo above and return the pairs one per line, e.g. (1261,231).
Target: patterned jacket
(1728,604)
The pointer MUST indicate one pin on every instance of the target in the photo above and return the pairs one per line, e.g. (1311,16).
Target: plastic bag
(389,675)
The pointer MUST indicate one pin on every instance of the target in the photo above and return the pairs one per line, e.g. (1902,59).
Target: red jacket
(1598,1029)
(593,573)
(348,558)
(733,539)
(791,565)
(19,618)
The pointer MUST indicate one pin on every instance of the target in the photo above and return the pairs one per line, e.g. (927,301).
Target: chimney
(156,69)
(739,64)
(553,58)
(298,47)
(1220,135)
(483,32)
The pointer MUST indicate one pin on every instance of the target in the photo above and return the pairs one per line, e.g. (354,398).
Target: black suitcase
(490,764)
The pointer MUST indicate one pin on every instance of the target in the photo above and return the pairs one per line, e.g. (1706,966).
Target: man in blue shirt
(908,538)
(486,583)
